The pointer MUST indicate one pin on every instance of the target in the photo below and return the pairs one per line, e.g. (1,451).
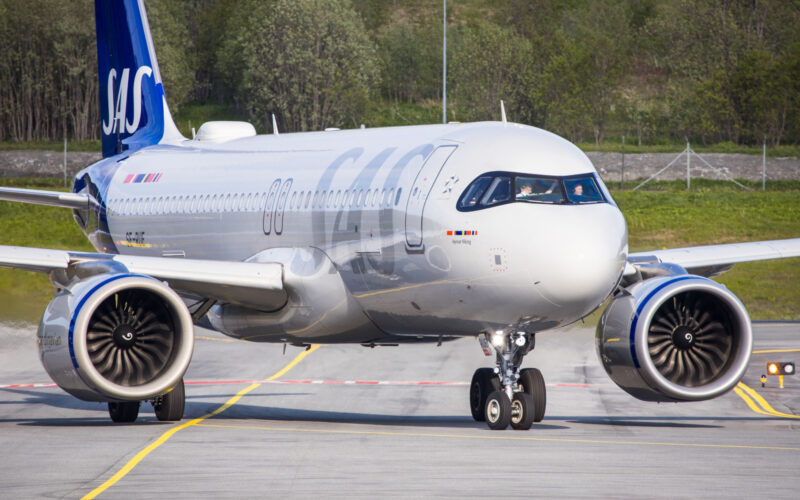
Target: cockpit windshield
(498,188)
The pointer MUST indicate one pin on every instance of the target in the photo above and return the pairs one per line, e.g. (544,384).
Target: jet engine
(116,337)
(675,338)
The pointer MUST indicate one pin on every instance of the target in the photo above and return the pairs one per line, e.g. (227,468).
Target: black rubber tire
(498,411)
(124,412)
(169,407)
(526,409)
(484,382)
(532,382)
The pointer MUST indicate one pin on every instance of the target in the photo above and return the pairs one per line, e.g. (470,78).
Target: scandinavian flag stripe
(143,178)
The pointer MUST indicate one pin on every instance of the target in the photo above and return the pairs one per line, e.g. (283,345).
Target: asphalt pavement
(355,422)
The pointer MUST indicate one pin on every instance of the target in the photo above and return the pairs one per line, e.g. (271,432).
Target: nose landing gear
(507,395)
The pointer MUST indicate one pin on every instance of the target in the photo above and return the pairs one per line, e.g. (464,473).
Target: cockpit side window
(583,190)
(474,192)
(498,192)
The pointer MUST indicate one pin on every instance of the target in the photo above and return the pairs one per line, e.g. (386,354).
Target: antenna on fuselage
(502,112)
(274,125)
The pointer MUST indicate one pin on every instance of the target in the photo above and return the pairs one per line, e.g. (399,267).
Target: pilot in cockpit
(525,191)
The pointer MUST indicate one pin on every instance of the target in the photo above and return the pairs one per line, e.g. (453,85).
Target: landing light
(498,339)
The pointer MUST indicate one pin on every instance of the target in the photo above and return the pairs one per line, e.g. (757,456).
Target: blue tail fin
(133,108)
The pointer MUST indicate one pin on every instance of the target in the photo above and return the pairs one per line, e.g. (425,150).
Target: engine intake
(675,338)
(116,337)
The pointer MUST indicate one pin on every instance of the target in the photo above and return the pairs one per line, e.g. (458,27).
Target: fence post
(764,166)
(622,172)
(65,158)
(688,163)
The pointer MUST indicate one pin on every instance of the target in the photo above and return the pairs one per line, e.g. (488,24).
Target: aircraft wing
(52,198)
(250,284)
(710,260)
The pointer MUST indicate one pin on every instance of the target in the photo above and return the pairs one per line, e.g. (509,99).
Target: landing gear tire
(124,412)
(498,411)
(484,382)
(523,410)
(169,407)
(532,382)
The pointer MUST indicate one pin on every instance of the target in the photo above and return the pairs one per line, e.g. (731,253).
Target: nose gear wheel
(523,410)
(484,382)
(507,395)
(498,410)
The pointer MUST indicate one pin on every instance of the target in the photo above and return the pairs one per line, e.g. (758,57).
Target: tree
(411,59)
(169,23)
(489,63)
(308,61)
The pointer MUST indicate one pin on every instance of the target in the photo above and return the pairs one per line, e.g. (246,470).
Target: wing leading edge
(53,198)
(710,260)
(250,284)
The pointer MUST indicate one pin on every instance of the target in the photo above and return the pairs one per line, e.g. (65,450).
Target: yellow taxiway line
(776,350)
(757,403)
(164,437)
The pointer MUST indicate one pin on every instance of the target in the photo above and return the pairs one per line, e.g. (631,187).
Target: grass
(668,219)
(391,113)
(26,294)
(702,185)
(662,217)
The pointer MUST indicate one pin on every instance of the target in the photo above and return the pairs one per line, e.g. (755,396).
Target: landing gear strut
(506,394)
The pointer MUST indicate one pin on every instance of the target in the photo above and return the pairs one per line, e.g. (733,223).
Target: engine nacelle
(675,338)
(113,337)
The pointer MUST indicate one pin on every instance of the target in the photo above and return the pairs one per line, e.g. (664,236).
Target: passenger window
(397,200)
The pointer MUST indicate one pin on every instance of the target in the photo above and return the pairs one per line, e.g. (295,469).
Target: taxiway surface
(315,432)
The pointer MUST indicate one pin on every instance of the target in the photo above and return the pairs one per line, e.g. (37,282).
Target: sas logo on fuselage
(118,109)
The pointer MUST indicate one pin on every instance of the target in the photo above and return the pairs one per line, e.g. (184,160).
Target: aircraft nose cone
(580,262)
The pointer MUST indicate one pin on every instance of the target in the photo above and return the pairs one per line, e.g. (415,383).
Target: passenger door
(420,190)
(269,206)
(282,206)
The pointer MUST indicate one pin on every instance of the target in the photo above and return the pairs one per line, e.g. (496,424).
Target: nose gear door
(420,190)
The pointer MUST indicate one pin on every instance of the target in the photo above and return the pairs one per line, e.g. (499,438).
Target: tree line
(654,70)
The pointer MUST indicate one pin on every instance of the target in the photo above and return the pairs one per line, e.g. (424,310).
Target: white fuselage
(381,205)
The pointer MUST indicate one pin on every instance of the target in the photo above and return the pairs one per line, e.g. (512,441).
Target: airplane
(384,236)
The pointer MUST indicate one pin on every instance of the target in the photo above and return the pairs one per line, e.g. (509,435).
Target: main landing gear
(168,406)
(506,394)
